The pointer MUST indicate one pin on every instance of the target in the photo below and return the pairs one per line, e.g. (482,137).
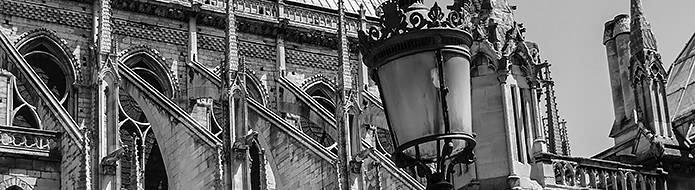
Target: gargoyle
(109,162)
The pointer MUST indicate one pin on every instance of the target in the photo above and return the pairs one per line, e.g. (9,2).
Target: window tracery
(53,66)
(23,114)
(142,165)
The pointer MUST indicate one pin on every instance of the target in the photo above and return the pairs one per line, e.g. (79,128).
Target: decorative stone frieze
(313,60)
(150,32)
(46,14)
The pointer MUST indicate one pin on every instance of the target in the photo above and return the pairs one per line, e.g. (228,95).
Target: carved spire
(641,33)
(558,142)
(647,75)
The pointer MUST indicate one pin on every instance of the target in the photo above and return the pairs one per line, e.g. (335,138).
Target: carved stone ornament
(109,162)
(396,20)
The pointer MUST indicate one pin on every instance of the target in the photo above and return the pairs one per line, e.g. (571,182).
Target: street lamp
(420,59)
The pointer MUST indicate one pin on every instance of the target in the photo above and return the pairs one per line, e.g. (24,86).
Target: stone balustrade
(266,10)
(27,141)
(587,173)
(309,17)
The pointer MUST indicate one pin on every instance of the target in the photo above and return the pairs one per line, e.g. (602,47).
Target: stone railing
(586,173)
(214,5)
(309,17)
(266,10)
(27,141)
(352,26)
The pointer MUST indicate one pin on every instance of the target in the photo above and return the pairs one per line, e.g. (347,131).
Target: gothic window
(151,71)
(14,187)
(323,94)
(53,67)
(142,165)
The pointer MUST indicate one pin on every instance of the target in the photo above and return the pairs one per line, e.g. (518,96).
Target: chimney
(614,73)
(618,49)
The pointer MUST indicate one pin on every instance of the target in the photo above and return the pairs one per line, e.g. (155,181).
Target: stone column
(506,82)
(193,33)
(237,170)
(343,91)
(108,148)
(108,144)
(539,142)
(280,64)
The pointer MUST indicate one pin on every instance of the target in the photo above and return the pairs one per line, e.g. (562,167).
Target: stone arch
(155,173)
(272,180)
(255,88)
(16,183)
(182,143)
(59,47)
(149,65)
(322,90)
(48,56)
(14,187)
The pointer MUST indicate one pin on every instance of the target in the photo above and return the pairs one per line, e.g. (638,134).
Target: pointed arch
(23,113)
(149,65)
(58,47)
(48,56)
(322,90)
(15,183)
(255,88)
(266,164)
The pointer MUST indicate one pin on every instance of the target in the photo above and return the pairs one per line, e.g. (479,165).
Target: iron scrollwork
(395,19)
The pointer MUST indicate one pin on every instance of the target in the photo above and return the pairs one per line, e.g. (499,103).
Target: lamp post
(419,57)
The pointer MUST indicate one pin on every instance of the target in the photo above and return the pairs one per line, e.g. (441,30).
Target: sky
(570,33)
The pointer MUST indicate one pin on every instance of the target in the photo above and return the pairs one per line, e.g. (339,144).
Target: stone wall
(295,164)
(24,172)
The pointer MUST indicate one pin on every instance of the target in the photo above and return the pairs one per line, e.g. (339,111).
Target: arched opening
(130,138)
(253,90)
(323,94)
(151,71)
(52,65)
(155,172)
(142,165)
(14,187)
(256,167)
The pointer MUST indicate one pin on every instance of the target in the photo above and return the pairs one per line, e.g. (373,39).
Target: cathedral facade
(261,94)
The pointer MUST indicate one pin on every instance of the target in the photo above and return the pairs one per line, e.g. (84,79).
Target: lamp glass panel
(410,87)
